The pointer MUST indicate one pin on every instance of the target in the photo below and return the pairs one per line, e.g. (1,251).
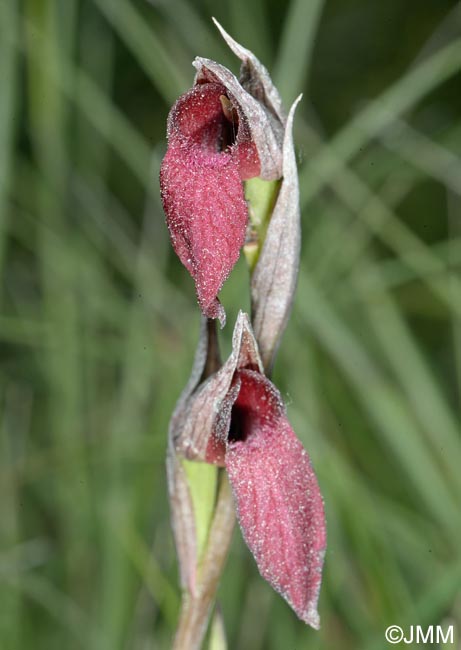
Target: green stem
(195,608)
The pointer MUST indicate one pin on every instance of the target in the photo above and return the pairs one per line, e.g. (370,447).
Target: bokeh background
(98,320)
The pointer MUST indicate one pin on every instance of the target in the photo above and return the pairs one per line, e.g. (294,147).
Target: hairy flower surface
(202,191)
(237,419)
(220,133)
(279,506)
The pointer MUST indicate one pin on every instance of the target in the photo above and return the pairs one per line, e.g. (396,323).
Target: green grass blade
(8,75)
(419,383)
(422,152)
(382,402)
(158,63)
(294,56)
(244,16)
(405,93)
(380,220)
(200,35)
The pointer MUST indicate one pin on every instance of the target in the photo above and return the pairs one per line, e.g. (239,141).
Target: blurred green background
(98,320)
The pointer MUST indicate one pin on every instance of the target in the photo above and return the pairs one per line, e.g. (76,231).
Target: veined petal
(279,505)
(202,193)
(254,77)
(274,278)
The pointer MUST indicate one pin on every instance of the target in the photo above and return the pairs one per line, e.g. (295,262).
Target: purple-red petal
(279,505)
(202,193)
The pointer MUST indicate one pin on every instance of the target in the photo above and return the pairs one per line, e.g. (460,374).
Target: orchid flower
(236,419)
(220,133)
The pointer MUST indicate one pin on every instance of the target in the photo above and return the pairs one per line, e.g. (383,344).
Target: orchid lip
(201,177)
(278,500)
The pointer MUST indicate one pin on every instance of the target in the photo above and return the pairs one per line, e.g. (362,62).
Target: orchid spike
(226,137)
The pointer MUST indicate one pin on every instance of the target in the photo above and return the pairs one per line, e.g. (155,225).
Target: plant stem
(195,608)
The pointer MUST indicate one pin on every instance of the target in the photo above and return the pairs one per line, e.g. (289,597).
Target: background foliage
(98,321)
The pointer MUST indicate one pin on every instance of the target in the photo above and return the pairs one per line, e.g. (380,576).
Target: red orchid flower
(220,133)
(279,506)
(202,192)
(237,419)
